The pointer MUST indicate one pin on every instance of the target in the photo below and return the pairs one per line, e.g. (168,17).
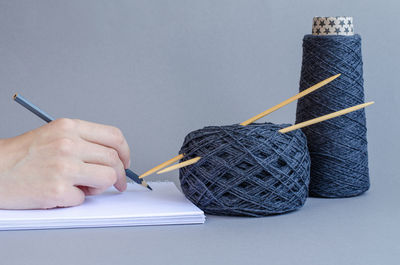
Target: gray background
(159,69)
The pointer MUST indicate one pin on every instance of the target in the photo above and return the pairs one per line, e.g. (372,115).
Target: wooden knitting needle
(161,166)
(325,117)
(284,130)
(289,100)
(247,122)
(183,164)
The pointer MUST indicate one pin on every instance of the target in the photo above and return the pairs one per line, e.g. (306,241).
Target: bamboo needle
(245,123)
(325,117)
(161,166)
(183,164)
(289,100)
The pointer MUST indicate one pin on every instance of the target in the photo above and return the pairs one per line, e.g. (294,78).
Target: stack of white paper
(136,206)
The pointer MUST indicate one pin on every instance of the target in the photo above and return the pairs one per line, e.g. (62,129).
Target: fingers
(94,176)
(72,197)
(93,132)
(97,154)
(90,191)
(72,180)
(107,136)
(92,143)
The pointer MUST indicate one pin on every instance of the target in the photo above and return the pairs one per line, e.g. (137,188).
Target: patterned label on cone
(333,26)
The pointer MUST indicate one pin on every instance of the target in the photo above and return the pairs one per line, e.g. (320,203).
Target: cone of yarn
(246,170)
(338,147)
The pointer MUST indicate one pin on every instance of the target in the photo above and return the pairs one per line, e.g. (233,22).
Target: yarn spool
(338,147)
(246,170)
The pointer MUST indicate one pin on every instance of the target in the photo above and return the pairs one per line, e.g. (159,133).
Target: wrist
(4,150)
(11,151)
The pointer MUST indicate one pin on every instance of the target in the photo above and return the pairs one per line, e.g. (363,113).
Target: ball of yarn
(338,147)
(246,170)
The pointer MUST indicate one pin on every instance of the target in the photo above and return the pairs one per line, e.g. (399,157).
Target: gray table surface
(361,230)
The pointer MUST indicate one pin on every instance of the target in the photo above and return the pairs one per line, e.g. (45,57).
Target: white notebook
(136,206)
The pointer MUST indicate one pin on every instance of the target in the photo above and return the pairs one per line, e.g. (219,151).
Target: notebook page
(136,206)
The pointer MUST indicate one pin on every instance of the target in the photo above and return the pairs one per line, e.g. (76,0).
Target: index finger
(105,135)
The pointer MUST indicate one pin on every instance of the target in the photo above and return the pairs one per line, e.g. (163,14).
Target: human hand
(59,163)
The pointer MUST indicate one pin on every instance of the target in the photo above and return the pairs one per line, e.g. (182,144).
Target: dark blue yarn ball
(338,147)
(246,170)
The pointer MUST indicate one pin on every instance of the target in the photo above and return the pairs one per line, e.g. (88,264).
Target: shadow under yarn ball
(249,170)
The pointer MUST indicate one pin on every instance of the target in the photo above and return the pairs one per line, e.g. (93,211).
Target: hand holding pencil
(57,164)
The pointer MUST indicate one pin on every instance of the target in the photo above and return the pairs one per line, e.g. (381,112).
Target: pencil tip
(144,184)
(15,96)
